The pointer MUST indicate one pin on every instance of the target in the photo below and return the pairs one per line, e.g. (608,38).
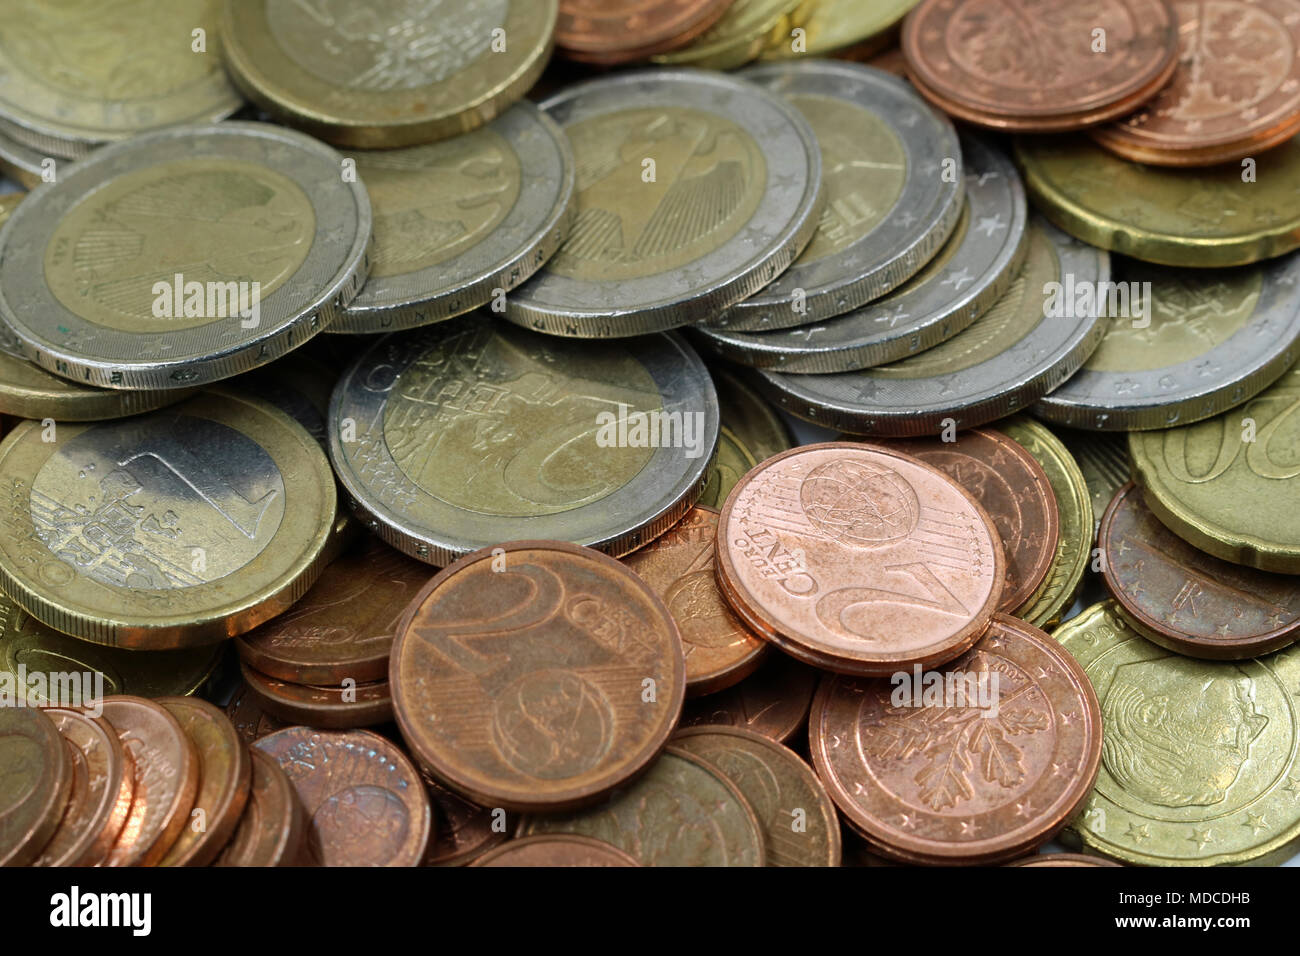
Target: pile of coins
(650,432)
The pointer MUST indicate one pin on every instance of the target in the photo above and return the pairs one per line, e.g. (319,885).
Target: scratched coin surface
(743,32)
(799,822)
(1235,92)
(364,800)
(683,812)
(339,707)
(678,566)
(990,761)
(177,528)
(273,828)
(392,73)
(859,559)
(184,256)
(610,32)
(1036,67)
(474,432)
(1228,485)
(558,849)
(537,675)
(772,701)
(462,830)
(165,767)
(36,774)
(1186,600)
(462,221)
(1199,762)
(695,190)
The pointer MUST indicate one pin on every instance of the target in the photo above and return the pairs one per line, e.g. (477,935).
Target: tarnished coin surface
(273,829)
(36,775)
(557,849)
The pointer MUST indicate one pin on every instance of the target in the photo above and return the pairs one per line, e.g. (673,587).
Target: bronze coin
(273,828)
(989,757)
(462,831)
(678,566)
(331,708)
(1013,488)
(1064,859)
(859,559)
(1186,600)
(35,782)
(773,701)
(100,798)
(1037,67)
(537,675)
(343,627)
(246,713)
(556,849)
(365,803)
(610,32)
(225,776)
(166,771)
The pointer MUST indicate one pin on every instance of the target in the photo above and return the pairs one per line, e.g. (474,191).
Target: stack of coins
(651,433)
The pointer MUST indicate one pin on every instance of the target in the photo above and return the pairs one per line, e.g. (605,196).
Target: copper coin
(773,701)
(166,771)
(1064,859)
(556,849)
(720,650)
(273,828)
(1039,67)
(365,803)
(1236,90)
(462,831)
(250,720)
(225,776)
(1013,488)
(35,782)
(609,32)
(332,708)
(100,798)
(988,758)
(343,627)
(537,675)
(859,559)
(1186,600)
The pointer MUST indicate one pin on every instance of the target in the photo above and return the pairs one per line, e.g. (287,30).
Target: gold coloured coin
(745,30)
(852,28)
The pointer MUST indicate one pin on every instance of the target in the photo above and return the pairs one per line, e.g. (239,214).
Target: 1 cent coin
(773,701)
(556,849)
(273,829)
(36,775)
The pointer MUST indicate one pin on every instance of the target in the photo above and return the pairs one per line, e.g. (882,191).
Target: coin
(892,188)
(364,800)
(117,275)
(1103,459)
(344,626)
(773,701)
(36,774)
(559,849)
(1199,759)
(728,466)
(968,778)
(166,530)
(536,675)
(1225,494)
(1206,115)
(100,796)
(859,559)
(1176,217)
(165,768)
(461,222)
(1014,489)
(334,708)
(749,417)
(1186,600)
(745,30)
(462,830)
(473,432)
(250,720)
(1038,68)
(394,74)
(610,32)
(678,566)
(848,28)
(1054,596)
(1064,859)
(1003,362)
(26,166)
(273,829)
(974,269)
(695,190)
(682,812)
(74,74)
(799,822)
(225,776)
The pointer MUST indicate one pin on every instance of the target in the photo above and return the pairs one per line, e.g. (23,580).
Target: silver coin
(184,256)
(472,432)
(1003,362)
(891,168)
(1206,340)
(461,221)
(695,190)
(970,273)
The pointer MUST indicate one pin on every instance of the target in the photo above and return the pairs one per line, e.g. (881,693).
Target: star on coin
(990,224)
